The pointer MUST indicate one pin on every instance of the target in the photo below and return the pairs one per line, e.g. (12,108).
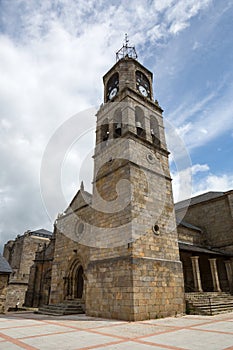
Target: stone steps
(209,303)
(68,307)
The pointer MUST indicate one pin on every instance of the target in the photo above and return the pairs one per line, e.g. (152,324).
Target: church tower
(135,271)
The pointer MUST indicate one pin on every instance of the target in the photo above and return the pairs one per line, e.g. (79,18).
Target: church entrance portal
(79,283)
(74,281)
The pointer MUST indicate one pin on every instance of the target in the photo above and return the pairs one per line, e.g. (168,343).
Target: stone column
(214,273)
(196,274)
(229,274)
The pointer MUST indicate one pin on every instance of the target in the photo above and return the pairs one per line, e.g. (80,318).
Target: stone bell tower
(136,273)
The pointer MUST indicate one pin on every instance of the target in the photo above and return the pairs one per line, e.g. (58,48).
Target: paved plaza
(33,331)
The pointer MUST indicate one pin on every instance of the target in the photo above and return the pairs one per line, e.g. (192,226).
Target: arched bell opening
(154,130)
(140,122)
(117,123)
(104,132)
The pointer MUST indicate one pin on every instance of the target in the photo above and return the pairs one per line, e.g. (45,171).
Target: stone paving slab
(79,332)
(193,339)
(9,346)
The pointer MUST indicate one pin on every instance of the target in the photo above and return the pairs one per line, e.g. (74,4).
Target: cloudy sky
(53,54)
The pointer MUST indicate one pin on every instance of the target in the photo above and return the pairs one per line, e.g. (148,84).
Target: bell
(106,136)
(118,130)
(138,125)
(152,132)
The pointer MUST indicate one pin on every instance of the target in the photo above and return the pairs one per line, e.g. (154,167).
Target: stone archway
(78,283)
(74,281)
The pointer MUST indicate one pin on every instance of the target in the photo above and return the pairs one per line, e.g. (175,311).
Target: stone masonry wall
(190,236)
(3,291)
(20,254)
(15,295)
(66,251)
(109,290)
(219,226)
(157,288)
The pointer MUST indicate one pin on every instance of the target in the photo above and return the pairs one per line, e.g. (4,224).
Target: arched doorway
(74,284)
(78,292)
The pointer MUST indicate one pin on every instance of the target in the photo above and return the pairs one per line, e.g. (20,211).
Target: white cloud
(184,181)
(196,45)
(180,14)
(213,182)
(199,122)
(199,168)
(184,129)
(198,179)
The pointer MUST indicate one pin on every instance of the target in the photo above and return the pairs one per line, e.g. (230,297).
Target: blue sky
(53,55)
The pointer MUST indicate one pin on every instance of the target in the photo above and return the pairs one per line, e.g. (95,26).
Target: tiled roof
(41,232)
(198,199)
(194,248)
(4,265)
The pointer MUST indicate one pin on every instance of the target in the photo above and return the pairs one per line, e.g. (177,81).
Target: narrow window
(154,130)
(117,123)
(104,132)
(140,122)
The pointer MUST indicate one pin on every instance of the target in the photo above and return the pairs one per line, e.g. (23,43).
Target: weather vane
(126,40)
(126,51)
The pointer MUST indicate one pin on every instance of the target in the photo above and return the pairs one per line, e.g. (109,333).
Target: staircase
(67,307)
(209,303)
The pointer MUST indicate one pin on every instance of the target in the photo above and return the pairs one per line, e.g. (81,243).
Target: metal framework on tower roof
(126,50)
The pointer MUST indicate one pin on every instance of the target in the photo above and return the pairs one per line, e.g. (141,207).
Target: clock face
(142,83)
(112,86)
(113,93)
(143,90)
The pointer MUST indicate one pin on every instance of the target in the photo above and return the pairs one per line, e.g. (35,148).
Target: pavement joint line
(87,330)
(161,325)
(25,326)
(63,325)
(129,338)
(103,345)
(112,325)
(188,326)
(191,327)
(91,330)
(107,334)
(177,328)
(98,320)
(17,342)
(19,318)
(157,333)
(209,330)
(46,334)
(230,348)
(103,326)
(158,344)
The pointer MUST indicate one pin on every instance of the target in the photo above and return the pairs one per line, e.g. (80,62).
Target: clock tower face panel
(112,86)
(143,84)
